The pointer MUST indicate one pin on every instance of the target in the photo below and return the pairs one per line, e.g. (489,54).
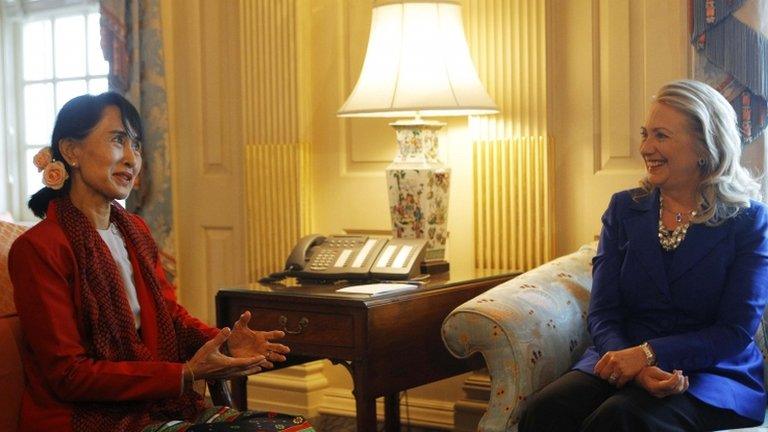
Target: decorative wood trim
(513,203)
(469,410)
(508,44)
(295,390)
(613,48)
(277,161)
(273,187)
(219,259)
(426,413)
(512,157)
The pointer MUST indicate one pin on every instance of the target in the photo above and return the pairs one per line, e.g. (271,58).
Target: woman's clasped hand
(660,383)
(250,352)
(628,365)
(620,367)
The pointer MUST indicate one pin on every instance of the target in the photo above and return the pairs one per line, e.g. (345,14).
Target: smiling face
(669,150)
(106,162)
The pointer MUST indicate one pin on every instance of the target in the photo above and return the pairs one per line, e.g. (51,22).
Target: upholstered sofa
(11,374)
(530,330)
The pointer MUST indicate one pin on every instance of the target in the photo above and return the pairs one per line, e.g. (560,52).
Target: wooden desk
(388,343)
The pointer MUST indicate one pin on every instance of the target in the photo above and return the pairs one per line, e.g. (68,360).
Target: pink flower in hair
(42,158)
(54,175)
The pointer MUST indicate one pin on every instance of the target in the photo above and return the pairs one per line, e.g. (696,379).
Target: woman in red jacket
(107,347)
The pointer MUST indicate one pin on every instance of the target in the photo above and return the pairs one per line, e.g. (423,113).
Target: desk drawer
(312,328)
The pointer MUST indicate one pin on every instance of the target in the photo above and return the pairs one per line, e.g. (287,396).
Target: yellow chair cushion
(8,233)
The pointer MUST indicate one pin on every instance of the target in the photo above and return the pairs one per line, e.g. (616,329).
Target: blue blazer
(701,315)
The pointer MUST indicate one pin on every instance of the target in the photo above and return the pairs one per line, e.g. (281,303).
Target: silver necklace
(670,240)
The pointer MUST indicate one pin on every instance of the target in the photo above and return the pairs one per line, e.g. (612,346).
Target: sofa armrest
(530,330)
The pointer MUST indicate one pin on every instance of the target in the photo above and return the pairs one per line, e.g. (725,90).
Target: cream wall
(206,47)
(349,155)
(607,58)
(604,60)
(203,85)
(348,161)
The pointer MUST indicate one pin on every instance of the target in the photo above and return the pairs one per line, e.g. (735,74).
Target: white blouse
(114,240)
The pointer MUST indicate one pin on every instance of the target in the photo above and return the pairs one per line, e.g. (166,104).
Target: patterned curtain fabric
(132,41)
(731,38)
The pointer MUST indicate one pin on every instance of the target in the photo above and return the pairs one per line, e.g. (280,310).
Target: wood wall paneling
(220,260)
(608,58)
(206,134)
(513,214)
(276,160)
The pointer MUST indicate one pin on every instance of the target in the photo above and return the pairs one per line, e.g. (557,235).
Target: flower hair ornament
(54,172)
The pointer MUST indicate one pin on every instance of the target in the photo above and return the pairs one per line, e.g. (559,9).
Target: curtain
(132,41)
(731,41)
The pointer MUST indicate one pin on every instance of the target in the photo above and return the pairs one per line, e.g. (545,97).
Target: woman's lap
(216,418)
(581,402)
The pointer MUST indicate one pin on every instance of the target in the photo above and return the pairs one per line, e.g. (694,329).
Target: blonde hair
(726,186)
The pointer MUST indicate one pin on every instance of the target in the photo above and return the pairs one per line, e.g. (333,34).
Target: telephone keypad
(361,256)
(328,257)
(323,260)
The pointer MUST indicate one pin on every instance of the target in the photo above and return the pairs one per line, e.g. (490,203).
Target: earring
(702,161)
(74,164)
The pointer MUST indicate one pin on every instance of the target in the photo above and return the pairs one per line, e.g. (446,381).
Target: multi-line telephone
(355,257)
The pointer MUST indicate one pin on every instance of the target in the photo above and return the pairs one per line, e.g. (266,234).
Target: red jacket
(58,372)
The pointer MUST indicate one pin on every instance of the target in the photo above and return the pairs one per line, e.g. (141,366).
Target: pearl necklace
(670,240)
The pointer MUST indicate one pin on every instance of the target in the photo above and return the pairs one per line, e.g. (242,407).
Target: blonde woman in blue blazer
(680,284)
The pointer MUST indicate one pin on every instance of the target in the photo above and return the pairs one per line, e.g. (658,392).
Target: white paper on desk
(377,288)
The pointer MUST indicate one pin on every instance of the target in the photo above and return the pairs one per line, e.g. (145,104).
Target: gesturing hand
(619,367)
(209,363)
(245,342)
(660,383)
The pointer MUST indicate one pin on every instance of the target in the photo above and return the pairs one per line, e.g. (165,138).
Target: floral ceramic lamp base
(418,186)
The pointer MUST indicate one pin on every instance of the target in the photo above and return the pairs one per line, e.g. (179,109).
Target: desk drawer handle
(303,323)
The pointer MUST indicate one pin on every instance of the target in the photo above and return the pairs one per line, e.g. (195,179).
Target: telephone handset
(355,257)
(299,256)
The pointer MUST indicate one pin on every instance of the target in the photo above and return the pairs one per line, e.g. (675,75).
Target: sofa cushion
(8,233)
(761,339)
(11,374)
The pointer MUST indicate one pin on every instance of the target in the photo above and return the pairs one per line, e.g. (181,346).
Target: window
(52,53)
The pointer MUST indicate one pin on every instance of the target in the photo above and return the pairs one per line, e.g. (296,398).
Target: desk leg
(240,393)
(392,412)
(366,414)
(365,404)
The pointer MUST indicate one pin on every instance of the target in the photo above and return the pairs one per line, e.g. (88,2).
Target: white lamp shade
(417,62)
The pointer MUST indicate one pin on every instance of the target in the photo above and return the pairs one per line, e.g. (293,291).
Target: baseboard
(467,415)
(426,413)
(469,410)
(296,390)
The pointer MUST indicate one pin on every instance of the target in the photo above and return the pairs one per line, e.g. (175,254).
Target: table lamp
(417,65)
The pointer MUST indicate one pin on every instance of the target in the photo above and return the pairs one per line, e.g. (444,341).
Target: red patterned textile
(109,324)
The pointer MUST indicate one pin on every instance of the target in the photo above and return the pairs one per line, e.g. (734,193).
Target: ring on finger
(613,378)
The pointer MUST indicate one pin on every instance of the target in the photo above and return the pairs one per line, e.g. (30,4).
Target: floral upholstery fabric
(530,330)
(8,233)
(761,338)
